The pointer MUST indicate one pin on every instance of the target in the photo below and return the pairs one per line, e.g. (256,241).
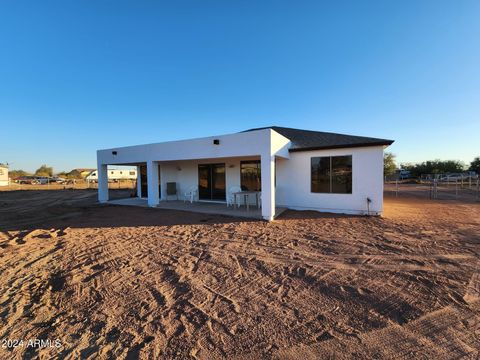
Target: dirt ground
(124,282)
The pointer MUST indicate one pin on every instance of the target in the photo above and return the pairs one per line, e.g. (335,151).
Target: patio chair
(172,189)
(231,197)
(190,195)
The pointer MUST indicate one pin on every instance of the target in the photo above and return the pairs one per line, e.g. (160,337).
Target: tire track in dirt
(473,287)
(298,287)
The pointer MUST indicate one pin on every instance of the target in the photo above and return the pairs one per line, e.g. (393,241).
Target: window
(250,175)
(132,173)
(331,174)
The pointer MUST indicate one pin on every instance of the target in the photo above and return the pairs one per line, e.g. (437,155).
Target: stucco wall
(293,182)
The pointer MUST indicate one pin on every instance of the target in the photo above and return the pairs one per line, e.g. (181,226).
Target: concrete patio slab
(216,208)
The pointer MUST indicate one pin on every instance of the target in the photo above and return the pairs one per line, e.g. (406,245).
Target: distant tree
(44,170)
(389,164)
(475,165)
(17,173)
(74,174)
(435,167)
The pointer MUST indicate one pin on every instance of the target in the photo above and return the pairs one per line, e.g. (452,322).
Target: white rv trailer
(114,175)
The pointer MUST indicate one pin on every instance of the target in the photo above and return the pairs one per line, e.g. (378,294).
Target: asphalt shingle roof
(304,140)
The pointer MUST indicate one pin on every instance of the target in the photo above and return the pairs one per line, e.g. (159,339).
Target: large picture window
(331,174)
(250,175)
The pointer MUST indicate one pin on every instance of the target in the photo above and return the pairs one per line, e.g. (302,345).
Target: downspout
(368,206)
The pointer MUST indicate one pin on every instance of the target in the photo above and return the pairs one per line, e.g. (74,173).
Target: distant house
(3,175)
(114,175)
(290,168)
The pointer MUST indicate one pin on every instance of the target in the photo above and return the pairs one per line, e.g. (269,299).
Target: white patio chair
(231,197)
(190,195)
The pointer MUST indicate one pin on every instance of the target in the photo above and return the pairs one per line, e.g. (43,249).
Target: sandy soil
(112,281)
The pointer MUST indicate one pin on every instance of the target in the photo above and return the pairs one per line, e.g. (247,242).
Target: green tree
(44,170)
(389,164)
(475,165)
(435,167)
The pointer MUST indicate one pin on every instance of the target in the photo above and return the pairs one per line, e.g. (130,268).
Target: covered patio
(211,167)
(198,207)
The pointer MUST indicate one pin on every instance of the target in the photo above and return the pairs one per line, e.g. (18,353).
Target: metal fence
(438,188)
(71,184)
(454,187)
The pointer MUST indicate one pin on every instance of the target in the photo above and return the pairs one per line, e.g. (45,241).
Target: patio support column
(139,183)
(102,172)
(152,183)
(268,186)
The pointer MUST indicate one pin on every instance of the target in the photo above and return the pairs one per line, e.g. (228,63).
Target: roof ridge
(303,140)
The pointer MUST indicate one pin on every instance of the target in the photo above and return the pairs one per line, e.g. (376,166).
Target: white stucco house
(3,175)
(291,168)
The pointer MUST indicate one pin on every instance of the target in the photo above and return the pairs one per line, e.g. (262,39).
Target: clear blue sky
(76,76)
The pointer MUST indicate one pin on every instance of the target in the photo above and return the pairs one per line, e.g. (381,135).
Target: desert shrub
(17,173)
(74,174)
(389,164)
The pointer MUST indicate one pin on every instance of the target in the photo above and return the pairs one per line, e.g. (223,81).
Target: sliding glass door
(211,182)
(143,180)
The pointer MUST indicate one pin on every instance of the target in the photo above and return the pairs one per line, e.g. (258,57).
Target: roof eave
(310,148)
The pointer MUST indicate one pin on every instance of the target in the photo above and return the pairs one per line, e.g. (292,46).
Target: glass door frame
(211,192)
